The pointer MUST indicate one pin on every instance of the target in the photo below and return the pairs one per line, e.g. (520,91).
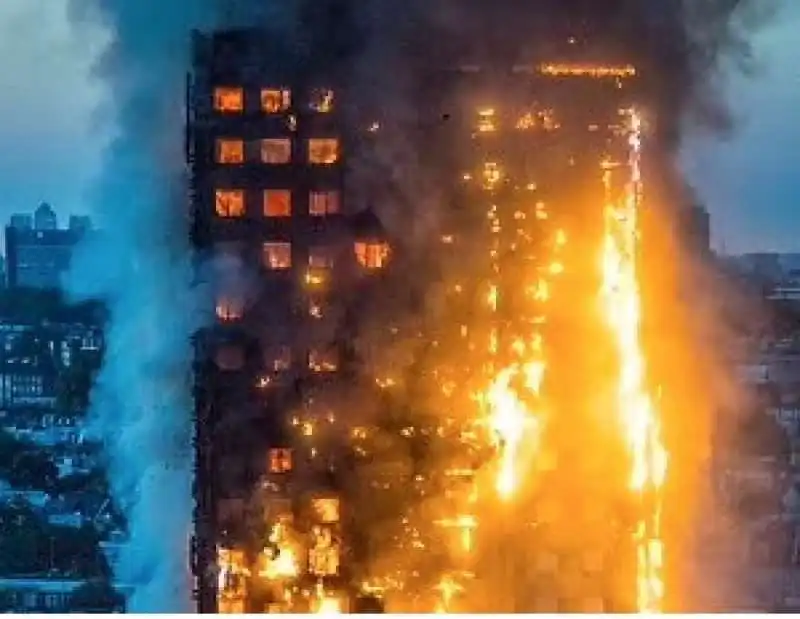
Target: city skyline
(60,130)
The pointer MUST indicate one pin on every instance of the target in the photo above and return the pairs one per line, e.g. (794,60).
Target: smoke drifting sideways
(140,266)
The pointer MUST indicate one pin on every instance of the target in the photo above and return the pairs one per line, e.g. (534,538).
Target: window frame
(265,200)
(285,95)
(265,255)
(228,214)
(263,149)
(218,96)
(310,148)
(241,151)
(326,197)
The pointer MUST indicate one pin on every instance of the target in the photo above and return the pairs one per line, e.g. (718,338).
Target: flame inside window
(321,100)
(326,509)
(277,255)
(321,203)
(323,151)
(278,358)
(230,151)
(229,308)
(280,460)
(323,360)
(229,99)
(277,203)
(229,202)
(276,151)
(232,581)
(372,255)
(275,100)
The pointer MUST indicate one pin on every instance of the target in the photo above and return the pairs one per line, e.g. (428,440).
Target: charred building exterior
(270,215)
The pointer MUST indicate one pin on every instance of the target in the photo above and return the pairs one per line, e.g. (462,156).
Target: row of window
(275,203)
(232,100)
(277,255)
(274,151)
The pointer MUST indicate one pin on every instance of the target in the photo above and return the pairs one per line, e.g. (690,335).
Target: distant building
(38,258)
(45,218)
(21,221)
(80,223)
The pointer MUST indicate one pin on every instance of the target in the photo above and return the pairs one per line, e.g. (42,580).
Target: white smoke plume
(140,266)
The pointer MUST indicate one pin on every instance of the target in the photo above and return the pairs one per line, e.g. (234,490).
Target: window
(323,151)
(276,150)
(323,360)
(277,203)
(228,99)
(275,100)
(230,202)
(230,151)
(278,255)
(326,509)
(372,255)
(320,258)
(280,460)
(321,100)
(321,203)
(229,308)
(278,358)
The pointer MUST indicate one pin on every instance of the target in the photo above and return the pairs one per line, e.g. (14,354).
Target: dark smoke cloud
(141,406)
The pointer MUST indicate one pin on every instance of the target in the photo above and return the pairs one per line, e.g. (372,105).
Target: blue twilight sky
(53,141)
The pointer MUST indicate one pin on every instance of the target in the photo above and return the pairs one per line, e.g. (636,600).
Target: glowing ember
(623,309)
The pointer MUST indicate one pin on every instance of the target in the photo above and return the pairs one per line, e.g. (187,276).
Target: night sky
(54,135)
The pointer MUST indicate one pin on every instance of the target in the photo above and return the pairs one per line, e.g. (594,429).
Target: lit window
(326,509)
(228,99)
(280,460)
(230,151)
(229,308)
(323,360)
(372,255)
(321,100)
(278,358)
(277,203)
(323,151)
(230,202)
(278,255)
(320,258)
(276,150)
(321,203)
(275,100)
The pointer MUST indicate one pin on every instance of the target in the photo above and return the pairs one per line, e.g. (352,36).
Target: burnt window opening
(229,308)
(230,151)
(323,151)
(229,202)
(316,309)
(321,100)
(277,203)
(278,358)
(229,357)
(229,99)
(275,100)
(277,255)
(372,254)
(322,203)
(323,360)
(280,460)
(276,151)
(320,257)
